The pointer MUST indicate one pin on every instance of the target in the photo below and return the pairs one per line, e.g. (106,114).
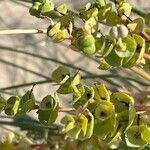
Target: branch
(142,108)
(141,72)
(62,109)
(146,56)
(23,31)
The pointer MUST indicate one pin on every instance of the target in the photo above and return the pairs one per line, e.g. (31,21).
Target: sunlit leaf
(139,52)
(61,74)
(136,26)
(54,30)
(112,19)
(70,85)
(101,93)
(62,9)
(12,105)
(85,97)
(124,8)
(133,137)
(104,11)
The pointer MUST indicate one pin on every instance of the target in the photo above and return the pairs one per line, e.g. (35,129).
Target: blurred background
(26,59)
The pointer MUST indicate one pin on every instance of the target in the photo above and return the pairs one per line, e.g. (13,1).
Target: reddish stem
(146,56)
(142,108)
(39,146)
(145,36)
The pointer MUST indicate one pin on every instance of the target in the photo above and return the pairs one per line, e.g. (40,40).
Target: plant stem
(141,72)
(22,31)
(146,56)
(62,109)
(142,108)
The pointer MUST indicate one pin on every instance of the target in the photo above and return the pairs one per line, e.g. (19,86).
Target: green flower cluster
(96,112)
(100,113)
(124,46)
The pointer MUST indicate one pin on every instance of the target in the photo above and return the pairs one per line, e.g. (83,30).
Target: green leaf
(27,102)
(70,85)
(49,102)
(103,65)
(145,135)
(103,129)
(84,123)
(138,55)
(104,11)
(27,96)
(100,44)
(85,41)
(62,9)
(124,106)
(69,122)
(61,36)
(112,19)
(90,125)
(133,137)
(86,14)
(124,8)
(101,2)
(26,107)
(53,14)
(113,59)
(136,26)
(101,93)
(84,98)
(54,30)
(48,109)
(12,105)
(130,47)
(61,74)
(35,10)
(121,101)
(46,7)
(91,25)
(48,116)
(74,133)
(105,110)
(2,103)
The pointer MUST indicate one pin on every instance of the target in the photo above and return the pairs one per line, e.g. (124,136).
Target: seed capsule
(120,31)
